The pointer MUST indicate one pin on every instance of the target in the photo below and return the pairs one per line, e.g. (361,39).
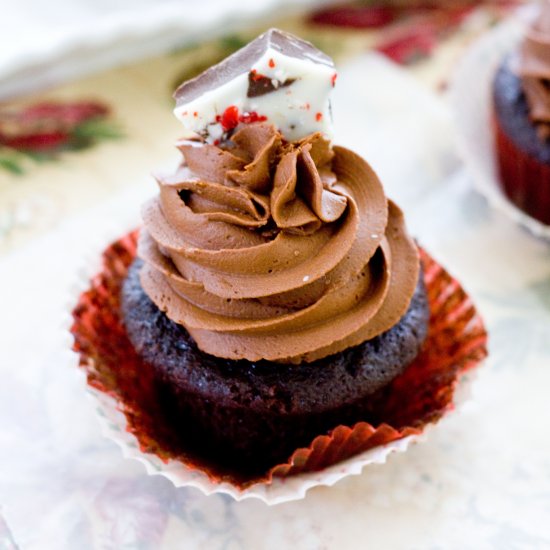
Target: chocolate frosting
(533,65)
(265,249)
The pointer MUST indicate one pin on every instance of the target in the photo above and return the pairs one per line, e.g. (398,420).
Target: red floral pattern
(42,130)
(356,17)
(412,31)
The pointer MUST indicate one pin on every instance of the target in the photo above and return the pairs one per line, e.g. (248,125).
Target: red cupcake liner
(421,395)
(525,180)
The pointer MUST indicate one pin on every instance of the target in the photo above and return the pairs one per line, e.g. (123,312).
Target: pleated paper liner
(421,395)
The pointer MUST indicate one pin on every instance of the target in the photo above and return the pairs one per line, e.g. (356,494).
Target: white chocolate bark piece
(277,78)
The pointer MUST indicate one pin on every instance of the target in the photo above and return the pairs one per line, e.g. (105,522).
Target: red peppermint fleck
(271,63)
(256,75)
(252,116)
(333,79)
(195,114)
(230,118)
(318,117)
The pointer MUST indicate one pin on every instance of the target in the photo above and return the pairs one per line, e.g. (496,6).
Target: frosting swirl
(265,249)
(533,66)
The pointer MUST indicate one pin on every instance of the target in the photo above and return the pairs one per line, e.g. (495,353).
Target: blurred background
(85,86)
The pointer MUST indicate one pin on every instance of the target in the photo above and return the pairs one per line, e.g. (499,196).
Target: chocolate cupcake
(278,293)
(521,94)
(275,319)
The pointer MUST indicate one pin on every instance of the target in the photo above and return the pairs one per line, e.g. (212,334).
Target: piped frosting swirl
(533,66)
(265,249)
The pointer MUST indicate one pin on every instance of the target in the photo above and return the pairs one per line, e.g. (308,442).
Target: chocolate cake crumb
(255,414)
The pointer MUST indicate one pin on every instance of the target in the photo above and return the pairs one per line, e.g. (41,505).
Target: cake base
(258,413)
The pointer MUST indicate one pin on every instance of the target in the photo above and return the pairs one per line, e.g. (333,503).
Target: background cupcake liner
(525,180)
(471,100)
(456,343)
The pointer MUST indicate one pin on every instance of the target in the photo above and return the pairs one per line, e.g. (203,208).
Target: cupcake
(274,314)
(521,94)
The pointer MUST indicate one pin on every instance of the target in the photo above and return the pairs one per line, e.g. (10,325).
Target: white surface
(43,43)
(472,107)
(480,481)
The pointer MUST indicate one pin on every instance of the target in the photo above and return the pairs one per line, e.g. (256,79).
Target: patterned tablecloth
(75,160)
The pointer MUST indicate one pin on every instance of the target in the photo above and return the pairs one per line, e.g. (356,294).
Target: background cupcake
(521,93)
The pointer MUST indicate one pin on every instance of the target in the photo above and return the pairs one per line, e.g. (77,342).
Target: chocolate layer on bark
(242,60)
